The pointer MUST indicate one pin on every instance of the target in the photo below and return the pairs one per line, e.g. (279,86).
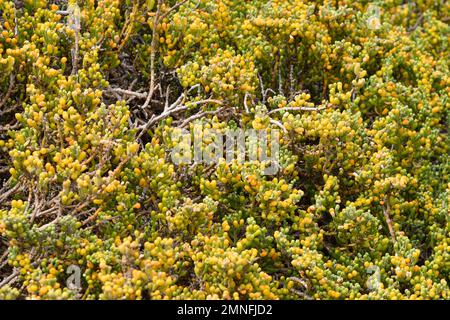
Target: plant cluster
(91,93)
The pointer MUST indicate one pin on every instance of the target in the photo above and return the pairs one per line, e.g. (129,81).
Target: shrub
(91,93)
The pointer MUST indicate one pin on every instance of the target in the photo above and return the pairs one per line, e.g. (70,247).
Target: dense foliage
(91,91)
